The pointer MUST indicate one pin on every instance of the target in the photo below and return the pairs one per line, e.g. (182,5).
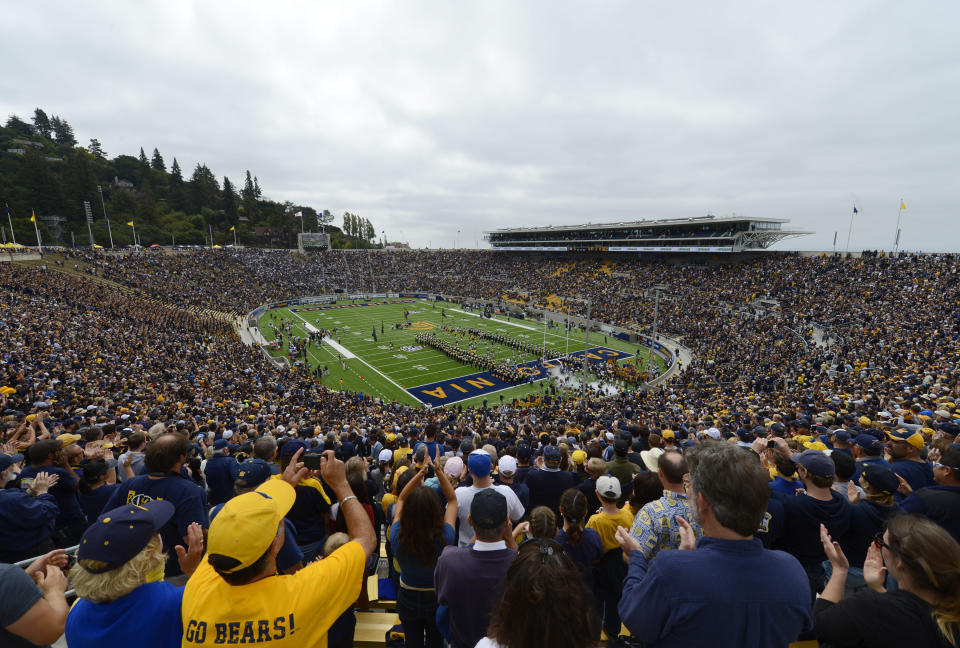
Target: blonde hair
(932,557)
(334,542)
(111,585)
(354,466)
(596,467)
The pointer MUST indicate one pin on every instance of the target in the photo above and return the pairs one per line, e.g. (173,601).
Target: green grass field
(386,372)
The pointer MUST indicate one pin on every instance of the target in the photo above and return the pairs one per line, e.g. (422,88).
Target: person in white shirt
(480,466)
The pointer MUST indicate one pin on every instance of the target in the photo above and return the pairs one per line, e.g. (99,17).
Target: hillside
(43,168)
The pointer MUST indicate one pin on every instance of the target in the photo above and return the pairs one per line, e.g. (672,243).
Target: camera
(312,460)
(771,444)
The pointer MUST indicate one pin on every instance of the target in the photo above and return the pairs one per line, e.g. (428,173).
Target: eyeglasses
(937,464)
(878,540)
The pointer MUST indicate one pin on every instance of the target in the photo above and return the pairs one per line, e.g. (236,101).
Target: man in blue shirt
(729,588)
(940,503)
(905,447)
(164,459)
(26,519)
(47,456)
(221,472)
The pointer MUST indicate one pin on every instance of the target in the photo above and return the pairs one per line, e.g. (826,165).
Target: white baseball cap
(507,465)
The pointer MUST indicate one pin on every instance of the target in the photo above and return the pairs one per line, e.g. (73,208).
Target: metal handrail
(23,564)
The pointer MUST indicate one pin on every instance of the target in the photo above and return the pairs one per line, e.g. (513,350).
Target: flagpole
(33,217)
(134,234)
(10,219)
(210,229)
(234,236)
(850,230)
(896,234)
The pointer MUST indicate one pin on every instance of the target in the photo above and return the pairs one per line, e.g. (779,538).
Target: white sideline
(523,326)
(339,349)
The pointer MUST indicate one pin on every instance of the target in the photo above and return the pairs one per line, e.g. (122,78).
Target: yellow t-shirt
(280,611)
(606,525)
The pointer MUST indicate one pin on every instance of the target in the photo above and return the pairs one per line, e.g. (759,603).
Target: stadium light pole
(104,205)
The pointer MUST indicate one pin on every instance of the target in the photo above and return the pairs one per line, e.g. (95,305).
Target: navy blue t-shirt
(919,474)
(188,498)
(221,471)
(584,556)
(93,502)
(65,491)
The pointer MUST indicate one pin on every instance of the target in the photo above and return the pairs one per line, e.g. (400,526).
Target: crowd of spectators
(807,450)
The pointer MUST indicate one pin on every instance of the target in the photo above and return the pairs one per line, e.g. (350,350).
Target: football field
(365,351)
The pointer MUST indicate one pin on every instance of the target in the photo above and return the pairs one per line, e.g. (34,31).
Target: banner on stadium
(671,249)
(454,390)
(514,248)
(414,295)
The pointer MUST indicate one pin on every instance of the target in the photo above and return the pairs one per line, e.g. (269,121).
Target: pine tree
(62,132)
(41,123)
(143,158)
(19,126)
(204,189)
(230,201)
(96,149)
(176,195)
(157,161)
(248,197)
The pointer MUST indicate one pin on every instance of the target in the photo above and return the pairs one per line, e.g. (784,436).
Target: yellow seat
(372,628)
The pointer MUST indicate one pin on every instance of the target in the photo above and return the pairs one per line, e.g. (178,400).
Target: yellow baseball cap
(248,523)
(67,439)
(815,445)
(864,420)
(913,438)
(668,434)
(578,456)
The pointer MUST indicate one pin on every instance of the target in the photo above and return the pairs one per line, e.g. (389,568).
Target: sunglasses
(937,464)
(878,540)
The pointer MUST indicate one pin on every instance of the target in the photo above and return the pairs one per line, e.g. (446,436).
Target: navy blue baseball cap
(881,478)
(220,444)
(121,533)
(867,441)
(8,460)
(252,473)
(816,463)
(552,453)
(290,448)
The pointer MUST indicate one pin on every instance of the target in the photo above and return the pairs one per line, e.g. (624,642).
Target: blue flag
(855,210)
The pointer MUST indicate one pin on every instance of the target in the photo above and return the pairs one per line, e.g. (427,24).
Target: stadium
(479,325)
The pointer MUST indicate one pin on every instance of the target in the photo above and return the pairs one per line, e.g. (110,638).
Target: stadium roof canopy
(696,234)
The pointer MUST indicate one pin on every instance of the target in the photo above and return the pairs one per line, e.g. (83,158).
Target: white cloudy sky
(429,117)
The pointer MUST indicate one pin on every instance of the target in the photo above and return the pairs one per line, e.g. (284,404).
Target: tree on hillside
(96,149)
(368,232)
(325,218)
(41,123)
(18,126)
(204,189)
(176,195)
(230,201)
(248,199)
(42,191)
(157,161)
(79,182)
(62,132)
(143,158)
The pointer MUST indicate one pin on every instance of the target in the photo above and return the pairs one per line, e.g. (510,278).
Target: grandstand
(708,233)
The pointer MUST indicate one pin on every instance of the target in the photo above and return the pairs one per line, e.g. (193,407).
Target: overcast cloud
(433,117)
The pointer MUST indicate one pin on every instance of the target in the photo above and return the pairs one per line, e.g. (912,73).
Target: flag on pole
(855,210)
(130,223)
(299,214)
(902,205)
(33,217)
(232,228)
